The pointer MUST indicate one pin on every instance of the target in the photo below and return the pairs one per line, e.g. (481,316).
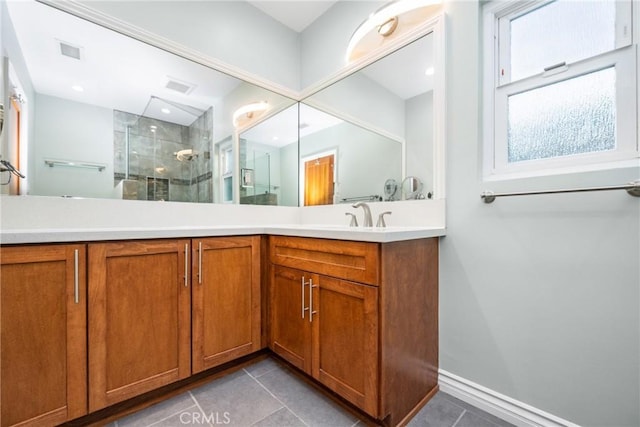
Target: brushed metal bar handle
(200,262)
(302,293)
(76,279)
(186,265)
(311,311)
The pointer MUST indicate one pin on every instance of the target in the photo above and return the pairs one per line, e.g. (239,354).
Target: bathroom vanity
(358,318)
(350,313)
(130,305)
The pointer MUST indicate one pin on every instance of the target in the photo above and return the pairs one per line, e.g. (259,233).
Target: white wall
(364,162)
(72,131)
(539,295)
(289,174)
(361,100)
(323,44)
(224,30)
(419,138)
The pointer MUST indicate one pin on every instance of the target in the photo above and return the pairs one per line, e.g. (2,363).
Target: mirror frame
(436,25)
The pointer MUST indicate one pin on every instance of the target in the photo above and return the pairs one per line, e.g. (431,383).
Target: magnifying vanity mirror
(412,188)
(108,116)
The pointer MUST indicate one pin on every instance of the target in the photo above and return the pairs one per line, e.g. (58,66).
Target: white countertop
(44,219)
(370,234)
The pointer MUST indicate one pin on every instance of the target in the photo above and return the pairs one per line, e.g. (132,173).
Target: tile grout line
(264,373)
(464,411)
(274,396)
(197,403)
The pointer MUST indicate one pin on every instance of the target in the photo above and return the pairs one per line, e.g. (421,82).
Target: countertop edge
(10,237)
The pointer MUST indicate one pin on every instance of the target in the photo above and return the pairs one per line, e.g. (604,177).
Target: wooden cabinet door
(290,326)
(225,299)
(345,340)
(43,334)
(139,318)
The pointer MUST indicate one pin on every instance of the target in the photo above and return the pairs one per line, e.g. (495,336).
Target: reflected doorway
(14,141)
(319,180)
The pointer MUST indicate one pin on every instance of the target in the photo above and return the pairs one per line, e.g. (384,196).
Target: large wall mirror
(368,137)
(105,115)
(108,116)
(375,132)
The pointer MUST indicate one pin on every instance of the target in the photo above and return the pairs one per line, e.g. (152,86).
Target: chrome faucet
(381,222)
(368,222)
(354,221)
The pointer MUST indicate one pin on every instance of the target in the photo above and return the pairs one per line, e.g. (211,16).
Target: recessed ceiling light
(77,88)
(430,71)
(275,138)
(166,111)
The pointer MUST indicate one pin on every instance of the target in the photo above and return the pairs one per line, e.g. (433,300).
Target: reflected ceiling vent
(69,50)
(179,86)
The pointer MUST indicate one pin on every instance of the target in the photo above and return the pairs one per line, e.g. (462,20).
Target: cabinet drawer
(355,261)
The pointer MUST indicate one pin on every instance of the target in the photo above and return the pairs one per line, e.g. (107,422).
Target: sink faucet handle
(354,220)
(381,222)
(368,222)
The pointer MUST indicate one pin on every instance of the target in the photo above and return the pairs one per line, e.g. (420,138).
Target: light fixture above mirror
(388,23)
(249,112)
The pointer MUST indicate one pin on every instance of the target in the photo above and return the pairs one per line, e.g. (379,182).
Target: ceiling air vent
(69,50)
(179,86)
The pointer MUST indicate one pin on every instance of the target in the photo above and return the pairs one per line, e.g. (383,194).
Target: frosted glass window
(561,31)
(573,116)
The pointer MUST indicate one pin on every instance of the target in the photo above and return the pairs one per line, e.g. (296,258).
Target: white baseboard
(497,404)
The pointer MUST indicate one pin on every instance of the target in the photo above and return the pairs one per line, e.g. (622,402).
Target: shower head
(186,155)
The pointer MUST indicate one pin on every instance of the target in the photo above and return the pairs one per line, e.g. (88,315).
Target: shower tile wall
(152,147)
(200,134)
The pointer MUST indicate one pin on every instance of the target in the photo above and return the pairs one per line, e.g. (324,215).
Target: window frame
(226,170)
(497,89)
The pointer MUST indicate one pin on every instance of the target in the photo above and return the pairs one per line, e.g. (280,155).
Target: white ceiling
(295,14)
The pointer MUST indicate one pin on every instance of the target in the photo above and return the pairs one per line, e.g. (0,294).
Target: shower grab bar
(633,188)
(69,163)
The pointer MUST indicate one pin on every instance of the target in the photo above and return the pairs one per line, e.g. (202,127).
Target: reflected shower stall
(164,154)
(256,186)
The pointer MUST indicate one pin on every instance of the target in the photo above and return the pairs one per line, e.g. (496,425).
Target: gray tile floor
(267,394)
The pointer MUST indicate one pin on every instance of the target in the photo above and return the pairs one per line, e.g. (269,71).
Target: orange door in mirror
(318,181)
